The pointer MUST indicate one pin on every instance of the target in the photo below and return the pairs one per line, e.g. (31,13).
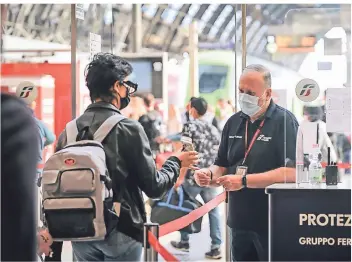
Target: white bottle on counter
(315,168)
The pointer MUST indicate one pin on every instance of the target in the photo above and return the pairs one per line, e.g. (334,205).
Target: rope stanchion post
(150,255)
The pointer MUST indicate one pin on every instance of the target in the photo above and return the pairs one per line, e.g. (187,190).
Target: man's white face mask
(249,104)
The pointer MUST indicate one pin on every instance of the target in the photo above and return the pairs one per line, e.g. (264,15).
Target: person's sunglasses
(131,87)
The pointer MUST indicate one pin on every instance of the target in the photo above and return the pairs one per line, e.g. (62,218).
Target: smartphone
(187,144)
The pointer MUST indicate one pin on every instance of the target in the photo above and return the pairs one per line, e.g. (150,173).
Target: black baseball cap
(200,105)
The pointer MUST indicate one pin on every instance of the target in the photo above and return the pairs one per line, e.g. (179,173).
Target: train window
(212,78)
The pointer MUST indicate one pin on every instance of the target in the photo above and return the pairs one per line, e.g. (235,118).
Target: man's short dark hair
(102,73)
(192,98)
(200,105)
(261,69)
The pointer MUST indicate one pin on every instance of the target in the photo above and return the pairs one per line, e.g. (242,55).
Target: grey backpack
(77,189)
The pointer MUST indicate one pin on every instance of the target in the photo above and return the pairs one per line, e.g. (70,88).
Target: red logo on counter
(70,161)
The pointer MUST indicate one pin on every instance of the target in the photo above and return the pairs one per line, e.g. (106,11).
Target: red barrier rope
(339,165)
(192,216)
(181,223)
(160,249)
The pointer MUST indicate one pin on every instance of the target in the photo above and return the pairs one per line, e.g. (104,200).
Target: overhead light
(157,66)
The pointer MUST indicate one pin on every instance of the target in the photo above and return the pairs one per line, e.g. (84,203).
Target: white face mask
(249,104)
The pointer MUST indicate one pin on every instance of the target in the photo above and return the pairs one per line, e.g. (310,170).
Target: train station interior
(179,52)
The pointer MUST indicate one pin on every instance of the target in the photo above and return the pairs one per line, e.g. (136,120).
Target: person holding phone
(200,135)
(129,161)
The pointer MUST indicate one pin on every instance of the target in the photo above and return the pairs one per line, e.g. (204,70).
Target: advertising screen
(142,75)
(148,73)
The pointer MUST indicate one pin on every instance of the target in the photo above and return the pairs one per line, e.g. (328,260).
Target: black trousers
(56,248)
(248,246)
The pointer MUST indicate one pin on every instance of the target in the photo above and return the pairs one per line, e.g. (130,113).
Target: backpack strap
(107,126)
(71,131)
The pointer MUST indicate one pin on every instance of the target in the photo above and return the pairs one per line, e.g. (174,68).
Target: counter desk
(309,223)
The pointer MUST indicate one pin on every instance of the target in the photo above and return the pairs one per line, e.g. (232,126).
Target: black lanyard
(247,150)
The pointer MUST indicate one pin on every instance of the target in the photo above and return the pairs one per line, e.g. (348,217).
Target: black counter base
(309,225)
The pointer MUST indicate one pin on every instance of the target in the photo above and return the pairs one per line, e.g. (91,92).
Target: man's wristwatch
(244,181)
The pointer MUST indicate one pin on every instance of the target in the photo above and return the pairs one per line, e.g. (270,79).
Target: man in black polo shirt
(262,139)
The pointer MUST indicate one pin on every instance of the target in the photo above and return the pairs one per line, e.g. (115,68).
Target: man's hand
(230,182)
(181,178)
(188,159)
(202,177)
(44,242)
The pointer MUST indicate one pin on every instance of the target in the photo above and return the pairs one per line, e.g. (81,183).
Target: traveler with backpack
(92,185)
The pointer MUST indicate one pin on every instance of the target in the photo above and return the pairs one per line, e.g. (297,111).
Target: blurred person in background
(28,92)
(135,109)
(223,111)
(210,117)
(314,115)
(206,139)
(19,155)
(232,106)
(174,123)
(159,106)
(151,122)
(341,142)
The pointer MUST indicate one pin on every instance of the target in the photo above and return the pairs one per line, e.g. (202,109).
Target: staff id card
(241,170)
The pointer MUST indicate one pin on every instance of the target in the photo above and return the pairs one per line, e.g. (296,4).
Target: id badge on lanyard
(249,147)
